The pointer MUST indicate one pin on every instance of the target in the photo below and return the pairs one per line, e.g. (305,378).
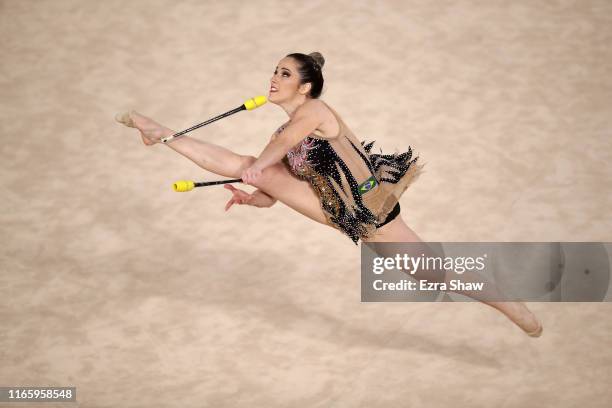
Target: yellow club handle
(255,102)
(183,185)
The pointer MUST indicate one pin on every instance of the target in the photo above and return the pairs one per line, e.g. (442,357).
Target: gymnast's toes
(125,118)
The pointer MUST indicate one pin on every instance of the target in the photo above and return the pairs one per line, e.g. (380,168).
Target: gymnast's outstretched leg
(398,231)
(209,156)
(276,180)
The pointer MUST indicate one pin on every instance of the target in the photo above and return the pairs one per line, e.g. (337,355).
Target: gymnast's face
(285,82)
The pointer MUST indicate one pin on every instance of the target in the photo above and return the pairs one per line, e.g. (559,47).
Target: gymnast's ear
(304,89)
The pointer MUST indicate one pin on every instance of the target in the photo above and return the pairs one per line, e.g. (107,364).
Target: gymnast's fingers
(229,203)
(238,194)
(242,195)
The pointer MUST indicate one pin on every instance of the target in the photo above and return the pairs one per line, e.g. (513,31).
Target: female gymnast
(314,164)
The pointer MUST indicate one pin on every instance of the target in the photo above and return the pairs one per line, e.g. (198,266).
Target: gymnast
(315,165)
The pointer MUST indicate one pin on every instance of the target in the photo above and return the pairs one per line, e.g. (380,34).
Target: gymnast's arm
(306,120)
(259,198)
(219,160)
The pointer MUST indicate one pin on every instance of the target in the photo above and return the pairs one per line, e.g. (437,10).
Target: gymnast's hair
(310,67)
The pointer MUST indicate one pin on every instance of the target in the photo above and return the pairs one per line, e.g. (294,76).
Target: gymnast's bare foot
(522,317)
(150,131)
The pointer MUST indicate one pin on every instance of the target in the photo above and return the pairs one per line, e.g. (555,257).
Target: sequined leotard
(357,189)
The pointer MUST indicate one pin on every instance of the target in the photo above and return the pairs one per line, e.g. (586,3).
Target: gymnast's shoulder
(313,107)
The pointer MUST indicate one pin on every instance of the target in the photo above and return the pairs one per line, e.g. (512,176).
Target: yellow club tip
(255,102)
(183,185)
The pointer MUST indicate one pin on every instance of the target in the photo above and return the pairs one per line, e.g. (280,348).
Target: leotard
(359,191)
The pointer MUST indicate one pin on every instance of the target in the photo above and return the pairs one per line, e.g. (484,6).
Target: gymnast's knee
(247,161)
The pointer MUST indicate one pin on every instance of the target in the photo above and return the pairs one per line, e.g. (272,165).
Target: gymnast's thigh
(278,182)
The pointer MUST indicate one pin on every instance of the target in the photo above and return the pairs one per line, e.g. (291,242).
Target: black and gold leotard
(357,189)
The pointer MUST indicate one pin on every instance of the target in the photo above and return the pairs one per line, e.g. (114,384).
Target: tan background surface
(140,296)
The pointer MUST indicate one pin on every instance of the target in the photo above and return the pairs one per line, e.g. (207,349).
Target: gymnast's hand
(251,175)
(257,199)
(238,197)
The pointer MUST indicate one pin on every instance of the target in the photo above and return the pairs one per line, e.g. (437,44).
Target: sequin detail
(298,156)
(316,161)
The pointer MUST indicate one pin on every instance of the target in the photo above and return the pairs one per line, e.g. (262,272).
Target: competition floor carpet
(143,297)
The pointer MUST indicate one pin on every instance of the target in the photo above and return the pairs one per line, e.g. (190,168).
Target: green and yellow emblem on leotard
(367,185)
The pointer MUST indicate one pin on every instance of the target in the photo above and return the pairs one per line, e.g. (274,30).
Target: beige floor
(142,297)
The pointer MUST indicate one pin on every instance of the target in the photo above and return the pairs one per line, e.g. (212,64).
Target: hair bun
(318,58)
